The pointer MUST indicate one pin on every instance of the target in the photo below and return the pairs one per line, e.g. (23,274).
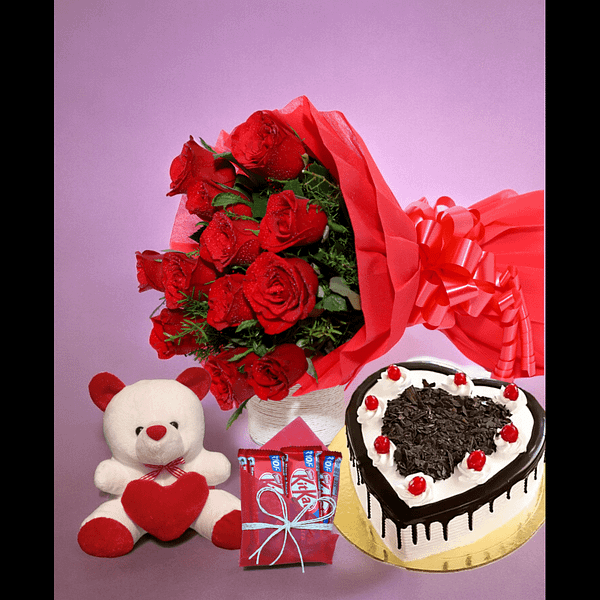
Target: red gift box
(276,528)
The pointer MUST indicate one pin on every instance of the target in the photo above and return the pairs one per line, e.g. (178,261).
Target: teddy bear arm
(213,465)
(112,477)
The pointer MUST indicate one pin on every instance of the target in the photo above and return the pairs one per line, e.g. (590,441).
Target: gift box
(288,493)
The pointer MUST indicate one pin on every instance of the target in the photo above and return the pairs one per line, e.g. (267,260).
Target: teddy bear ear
(103,387)
(197,379)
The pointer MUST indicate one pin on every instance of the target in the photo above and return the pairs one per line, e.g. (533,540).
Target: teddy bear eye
(138,430)
(175,424)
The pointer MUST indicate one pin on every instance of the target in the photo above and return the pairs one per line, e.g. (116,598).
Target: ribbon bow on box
(286,526)
(270,521)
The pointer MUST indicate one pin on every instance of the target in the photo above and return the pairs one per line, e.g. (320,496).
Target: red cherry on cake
(509,433)
(371,403)
(382,444)
(476,460)
(394,372)
(460,379)
(511,391)
(417,485)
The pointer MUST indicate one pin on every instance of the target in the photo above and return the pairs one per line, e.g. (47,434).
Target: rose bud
(274,374)
(227,305)
(230,382)
(290,221)
(265,145)
(226,241)
(149,270)
(196,173)
(184,275)
(169,323)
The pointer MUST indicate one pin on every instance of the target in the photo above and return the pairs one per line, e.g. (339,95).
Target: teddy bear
(160,478)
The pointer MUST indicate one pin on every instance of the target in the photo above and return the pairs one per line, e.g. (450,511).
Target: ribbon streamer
(286,525)
(172,467)
(516,324)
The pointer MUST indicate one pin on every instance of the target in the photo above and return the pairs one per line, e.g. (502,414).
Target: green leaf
(334,303)
(337,227)
(225,155)
(227,199)
(249,324)
(317,168)
(295,186)
(207,146)
(236,414)
(243,181)
(339,286)
(259,205)
(311,369)
(240,355)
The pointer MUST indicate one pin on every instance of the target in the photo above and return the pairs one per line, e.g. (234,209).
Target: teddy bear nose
(156,432)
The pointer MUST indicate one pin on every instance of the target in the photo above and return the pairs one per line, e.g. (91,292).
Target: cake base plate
(352,522)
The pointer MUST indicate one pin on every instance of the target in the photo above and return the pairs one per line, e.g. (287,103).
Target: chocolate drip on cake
(433,429)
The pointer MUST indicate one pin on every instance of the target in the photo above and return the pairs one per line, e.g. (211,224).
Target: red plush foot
(105,537)
(227,532)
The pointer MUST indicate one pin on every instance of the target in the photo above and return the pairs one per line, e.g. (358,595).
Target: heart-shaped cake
(441,460)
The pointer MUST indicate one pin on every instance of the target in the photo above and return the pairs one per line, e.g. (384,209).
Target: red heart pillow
(166,511)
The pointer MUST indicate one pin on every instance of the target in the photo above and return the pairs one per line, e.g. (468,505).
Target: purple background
(449,98)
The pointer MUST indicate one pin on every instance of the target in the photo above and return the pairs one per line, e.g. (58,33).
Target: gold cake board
(352,522)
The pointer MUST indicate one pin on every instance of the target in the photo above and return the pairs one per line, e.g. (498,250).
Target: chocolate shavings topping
(433,429)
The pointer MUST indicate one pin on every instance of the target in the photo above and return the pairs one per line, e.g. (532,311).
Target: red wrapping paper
(313,545)
(391,267)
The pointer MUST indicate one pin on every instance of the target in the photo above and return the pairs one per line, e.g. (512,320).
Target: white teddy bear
(160,473)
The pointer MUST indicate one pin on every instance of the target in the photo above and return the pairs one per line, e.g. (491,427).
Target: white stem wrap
(322,410)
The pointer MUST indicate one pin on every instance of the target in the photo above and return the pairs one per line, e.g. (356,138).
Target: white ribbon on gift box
(287,525)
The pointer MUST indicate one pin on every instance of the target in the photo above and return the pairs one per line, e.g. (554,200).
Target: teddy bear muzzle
(159,444)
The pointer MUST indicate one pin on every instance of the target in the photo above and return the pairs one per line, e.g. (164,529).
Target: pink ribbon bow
(172,467)
(459,277)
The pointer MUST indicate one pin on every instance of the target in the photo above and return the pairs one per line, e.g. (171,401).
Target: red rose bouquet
(264,284)
(292,262)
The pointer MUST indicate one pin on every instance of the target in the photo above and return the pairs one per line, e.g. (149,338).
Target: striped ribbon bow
(459,277)
(172,467)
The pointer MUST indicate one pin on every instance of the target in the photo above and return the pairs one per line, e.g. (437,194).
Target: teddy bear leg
(108,532)
(221,520)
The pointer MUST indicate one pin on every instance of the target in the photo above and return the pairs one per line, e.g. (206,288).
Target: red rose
(182,274)
(174,273)
(170,322)
(266,145)
(280,290)
(227,242)
(230,380)
(274,374)
(290,221)
(227,305)
(197,174)
(149,270)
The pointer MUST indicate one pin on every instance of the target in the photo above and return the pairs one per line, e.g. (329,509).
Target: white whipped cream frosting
(463,478)
(409,497)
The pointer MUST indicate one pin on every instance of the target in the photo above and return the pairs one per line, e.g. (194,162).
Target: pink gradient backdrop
(449,98)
